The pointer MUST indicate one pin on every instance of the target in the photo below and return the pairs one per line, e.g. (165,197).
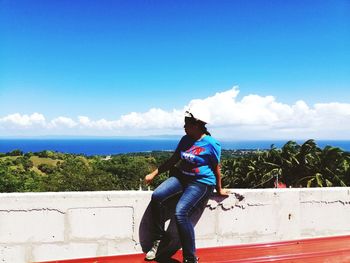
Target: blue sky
(102,60)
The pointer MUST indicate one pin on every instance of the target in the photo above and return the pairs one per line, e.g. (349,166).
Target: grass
(9,157)
(41,160)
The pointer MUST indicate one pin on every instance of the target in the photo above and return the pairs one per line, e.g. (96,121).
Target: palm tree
(289,162)
(296,165)
(318,168)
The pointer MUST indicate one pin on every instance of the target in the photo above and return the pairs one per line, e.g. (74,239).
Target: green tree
(16,152)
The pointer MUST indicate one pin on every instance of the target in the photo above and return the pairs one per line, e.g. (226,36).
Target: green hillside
(294,165)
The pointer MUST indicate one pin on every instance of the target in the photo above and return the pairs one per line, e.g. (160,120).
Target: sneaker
(151,254)
(191,260)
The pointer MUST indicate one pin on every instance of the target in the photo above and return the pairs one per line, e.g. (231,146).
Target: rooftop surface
(315,250)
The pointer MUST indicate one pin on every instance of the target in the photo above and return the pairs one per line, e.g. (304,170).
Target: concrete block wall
(53,226)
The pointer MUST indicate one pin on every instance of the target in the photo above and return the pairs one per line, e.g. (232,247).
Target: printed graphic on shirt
(198,158)
(191,154)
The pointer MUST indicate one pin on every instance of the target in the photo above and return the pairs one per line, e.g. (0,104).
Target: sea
(108,146)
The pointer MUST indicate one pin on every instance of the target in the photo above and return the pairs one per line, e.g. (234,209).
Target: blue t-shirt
(198,158)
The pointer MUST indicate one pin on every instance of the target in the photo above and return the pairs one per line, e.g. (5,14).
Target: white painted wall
(53,226)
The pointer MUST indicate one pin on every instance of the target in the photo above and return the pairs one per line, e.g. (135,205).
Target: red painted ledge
(314,250)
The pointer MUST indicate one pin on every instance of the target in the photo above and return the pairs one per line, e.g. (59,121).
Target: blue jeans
(191,194)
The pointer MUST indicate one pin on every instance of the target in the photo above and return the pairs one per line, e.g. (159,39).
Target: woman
(197,173)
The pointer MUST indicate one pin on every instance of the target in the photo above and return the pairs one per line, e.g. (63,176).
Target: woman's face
(190,128)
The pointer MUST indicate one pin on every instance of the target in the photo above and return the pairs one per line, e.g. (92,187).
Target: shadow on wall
(171,243)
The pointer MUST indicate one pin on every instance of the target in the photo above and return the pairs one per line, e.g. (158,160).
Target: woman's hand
(149,177)
(162,168)
(224,192)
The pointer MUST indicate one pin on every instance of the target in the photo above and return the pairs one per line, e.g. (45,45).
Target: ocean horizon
(110,146)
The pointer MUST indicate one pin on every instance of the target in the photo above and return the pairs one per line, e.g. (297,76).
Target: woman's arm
(219,189)
(167,165)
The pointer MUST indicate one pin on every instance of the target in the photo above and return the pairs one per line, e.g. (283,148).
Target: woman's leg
(165,191)
(194,195)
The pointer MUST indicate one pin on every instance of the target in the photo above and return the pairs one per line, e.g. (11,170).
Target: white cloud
(101,124)
(22,121)
(251,117)
(152,119)
(62,122)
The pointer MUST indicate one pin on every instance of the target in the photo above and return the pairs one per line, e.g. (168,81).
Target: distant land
(87,137)
(89,145)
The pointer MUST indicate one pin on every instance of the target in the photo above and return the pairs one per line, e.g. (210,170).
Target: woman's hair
(204,129)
